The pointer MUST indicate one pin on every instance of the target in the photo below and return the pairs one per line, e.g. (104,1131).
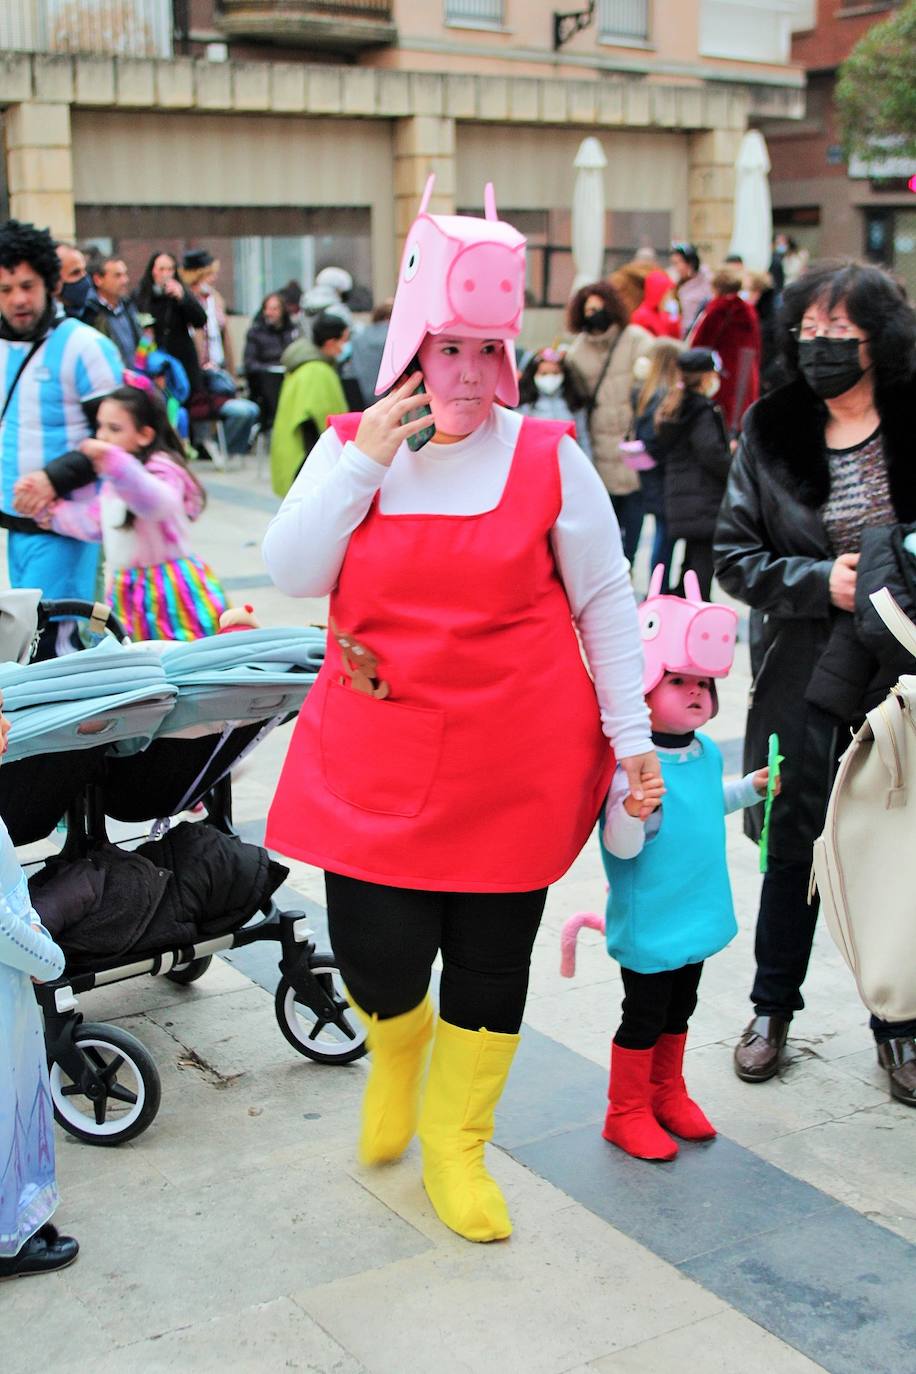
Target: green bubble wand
(774,759)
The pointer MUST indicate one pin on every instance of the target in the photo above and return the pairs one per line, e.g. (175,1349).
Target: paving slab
(721,1344)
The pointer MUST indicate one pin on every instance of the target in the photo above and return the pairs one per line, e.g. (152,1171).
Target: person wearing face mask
(823,461)
(452,757)
(692,447)
(310,394)
(75,282)
(549,388)
(176,311)
(603,355)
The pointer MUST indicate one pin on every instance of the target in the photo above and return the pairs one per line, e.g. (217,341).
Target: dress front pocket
(379,755)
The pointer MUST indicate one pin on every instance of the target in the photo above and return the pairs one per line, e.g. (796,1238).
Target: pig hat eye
(412,265)
(651,625)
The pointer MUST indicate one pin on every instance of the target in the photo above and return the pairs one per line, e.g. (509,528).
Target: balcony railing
(626,19)
(128,28)
(342,25)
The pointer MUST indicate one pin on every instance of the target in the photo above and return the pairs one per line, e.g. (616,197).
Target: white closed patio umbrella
(752,232)
(588,213)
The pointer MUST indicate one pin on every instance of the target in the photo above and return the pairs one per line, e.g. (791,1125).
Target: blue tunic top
(671,905)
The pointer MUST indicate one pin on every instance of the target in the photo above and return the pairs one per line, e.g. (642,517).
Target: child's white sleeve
(740,794)
(623,835)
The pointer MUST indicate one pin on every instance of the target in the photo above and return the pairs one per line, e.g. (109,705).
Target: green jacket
(311,392)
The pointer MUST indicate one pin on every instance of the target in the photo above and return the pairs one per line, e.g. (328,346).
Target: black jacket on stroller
(193,884)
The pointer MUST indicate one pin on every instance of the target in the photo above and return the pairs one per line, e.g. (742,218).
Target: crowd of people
(762,419)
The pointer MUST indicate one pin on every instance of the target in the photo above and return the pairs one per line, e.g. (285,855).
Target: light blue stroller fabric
(113,694)
(244,676)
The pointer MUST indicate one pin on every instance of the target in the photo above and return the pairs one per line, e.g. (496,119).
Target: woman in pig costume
(453,755)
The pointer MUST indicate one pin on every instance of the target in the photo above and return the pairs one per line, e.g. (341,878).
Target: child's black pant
(656,1004)
(385,940)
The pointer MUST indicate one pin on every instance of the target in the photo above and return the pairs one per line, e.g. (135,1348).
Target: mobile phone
(416,441)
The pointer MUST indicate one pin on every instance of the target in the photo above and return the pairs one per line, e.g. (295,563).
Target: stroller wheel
(118,1093)
(316,1018)
(191,971)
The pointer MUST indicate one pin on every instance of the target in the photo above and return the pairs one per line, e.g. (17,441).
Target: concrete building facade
(286,136)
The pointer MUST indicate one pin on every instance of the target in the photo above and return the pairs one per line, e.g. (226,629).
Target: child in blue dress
(29,1244)
(669,900)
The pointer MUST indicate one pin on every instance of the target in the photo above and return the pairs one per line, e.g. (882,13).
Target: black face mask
(597,323)
(830,366)
(74,294)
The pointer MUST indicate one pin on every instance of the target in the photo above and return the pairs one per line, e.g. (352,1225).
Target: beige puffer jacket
(613,412)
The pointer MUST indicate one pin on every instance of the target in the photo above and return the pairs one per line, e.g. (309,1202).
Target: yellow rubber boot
(467,1074)
(391,1102)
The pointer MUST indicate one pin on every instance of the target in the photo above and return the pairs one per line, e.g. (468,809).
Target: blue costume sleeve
(21,946)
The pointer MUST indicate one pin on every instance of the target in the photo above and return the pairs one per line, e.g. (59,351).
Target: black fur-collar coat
(772,552)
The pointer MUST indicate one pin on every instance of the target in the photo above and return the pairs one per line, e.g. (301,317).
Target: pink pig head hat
(459,275)
(685,634)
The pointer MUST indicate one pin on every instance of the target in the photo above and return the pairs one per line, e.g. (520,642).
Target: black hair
(261,318)
(688,253)
(24,243)
(873,301)
(145,289)
(328,326)
(147,410)
(528,393)
(611,299)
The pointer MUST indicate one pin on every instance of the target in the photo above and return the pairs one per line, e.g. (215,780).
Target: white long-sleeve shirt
(625,836)
(307,540)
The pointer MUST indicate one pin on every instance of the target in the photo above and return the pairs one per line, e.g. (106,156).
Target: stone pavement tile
(550,1090)
(848,1305)
(712,1195)
(722,1344)
(805,1093)
(154,1265)
(564,1290)
(253,1340)
(44,1323)
(861,1160)
(234,1034)
(582,1019)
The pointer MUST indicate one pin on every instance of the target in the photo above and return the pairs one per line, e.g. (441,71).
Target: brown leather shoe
(899,1058)
(758,1053)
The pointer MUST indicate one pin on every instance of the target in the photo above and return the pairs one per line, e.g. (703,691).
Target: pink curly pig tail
(569,935)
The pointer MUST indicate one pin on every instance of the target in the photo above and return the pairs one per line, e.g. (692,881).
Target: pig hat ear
(678,632)
(459,275)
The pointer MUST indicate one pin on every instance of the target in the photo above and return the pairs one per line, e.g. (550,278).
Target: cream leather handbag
(865,861)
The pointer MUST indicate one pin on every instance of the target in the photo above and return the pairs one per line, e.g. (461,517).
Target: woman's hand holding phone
(382,429)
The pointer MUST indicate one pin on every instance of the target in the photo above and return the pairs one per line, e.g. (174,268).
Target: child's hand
(94,450)
(761,781)
(653,790)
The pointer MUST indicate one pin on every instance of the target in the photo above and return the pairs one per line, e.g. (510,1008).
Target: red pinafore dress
(485,767)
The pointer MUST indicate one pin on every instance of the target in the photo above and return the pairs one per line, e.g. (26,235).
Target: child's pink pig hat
(685,634)
(459,275)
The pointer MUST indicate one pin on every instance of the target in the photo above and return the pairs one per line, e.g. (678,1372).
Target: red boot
(629,1122)
(670,1103)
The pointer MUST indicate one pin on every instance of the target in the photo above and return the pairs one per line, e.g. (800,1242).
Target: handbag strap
(887,727)
(895,618)
(22,367)
(593,399)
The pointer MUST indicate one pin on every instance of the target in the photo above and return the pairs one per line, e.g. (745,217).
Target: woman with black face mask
(823,461)
(602,357)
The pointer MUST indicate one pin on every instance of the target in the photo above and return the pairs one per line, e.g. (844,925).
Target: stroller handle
(101,618)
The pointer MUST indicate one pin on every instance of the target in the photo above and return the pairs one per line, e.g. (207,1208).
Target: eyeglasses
(836,329)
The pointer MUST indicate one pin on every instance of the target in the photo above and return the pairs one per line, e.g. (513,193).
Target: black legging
(386,938)
(656,1004)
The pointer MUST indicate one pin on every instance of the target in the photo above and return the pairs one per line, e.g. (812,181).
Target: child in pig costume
(453,755)
(669,901)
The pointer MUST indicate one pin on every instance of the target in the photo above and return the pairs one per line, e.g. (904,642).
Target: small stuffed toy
(238,618)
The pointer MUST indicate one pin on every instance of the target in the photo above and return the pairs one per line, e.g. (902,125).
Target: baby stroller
(140,733)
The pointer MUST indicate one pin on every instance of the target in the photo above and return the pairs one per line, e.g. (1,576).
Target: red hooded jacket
(658,285)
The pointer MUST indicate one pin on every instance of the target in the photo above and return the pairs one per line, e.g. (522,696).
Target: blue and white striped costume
(44,420)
